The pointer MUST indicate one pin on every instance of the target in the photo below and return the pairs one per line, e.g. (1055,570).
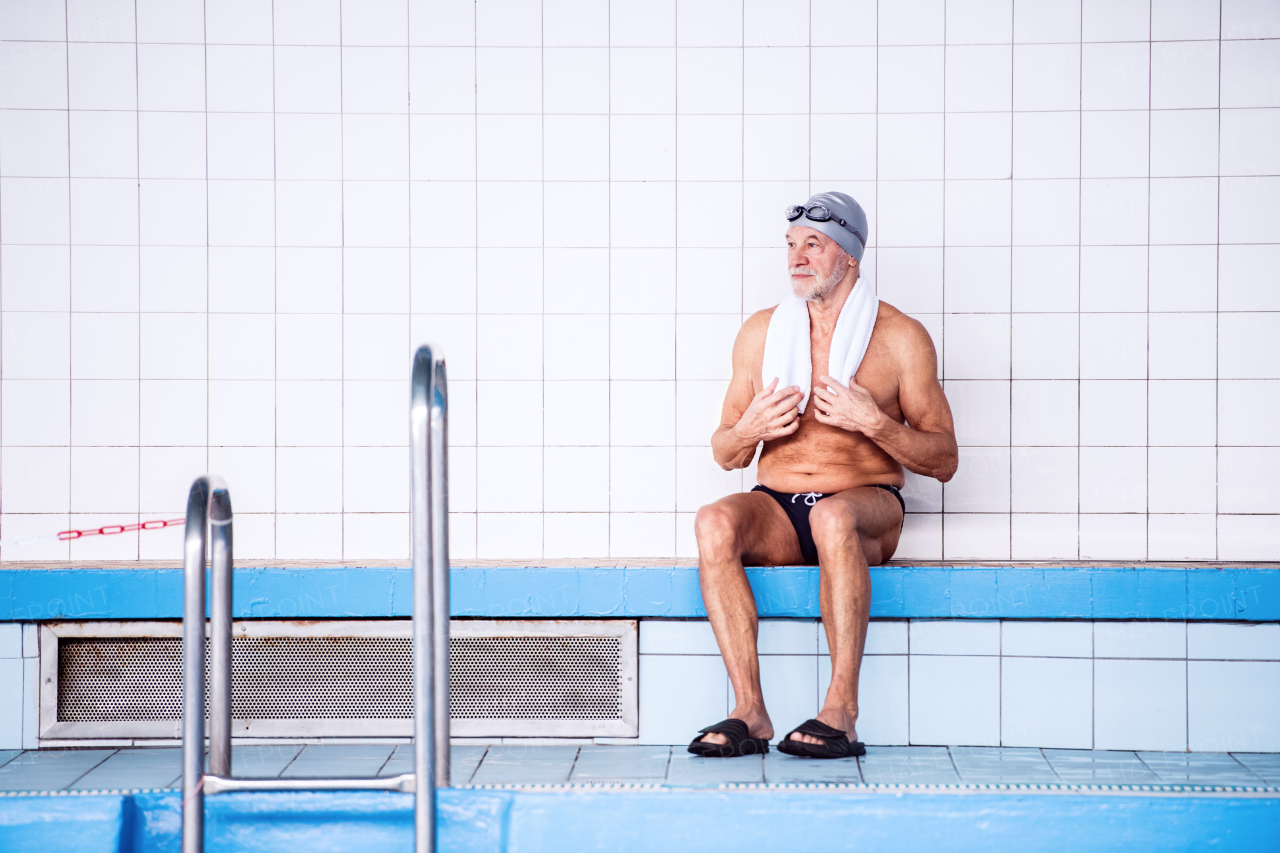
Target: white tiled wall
(1174,686)
(19,685)
(224,225)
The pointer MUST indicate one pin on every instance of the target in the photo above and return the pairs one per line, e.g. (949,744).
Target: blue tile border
(1249,594)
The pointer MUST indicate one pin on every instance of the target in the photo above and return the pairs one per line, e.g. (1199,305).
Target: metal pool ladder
(209,511)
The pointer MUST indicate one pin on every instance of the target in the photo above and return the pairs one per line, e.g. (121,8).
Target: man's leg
(754,527)
(853,529)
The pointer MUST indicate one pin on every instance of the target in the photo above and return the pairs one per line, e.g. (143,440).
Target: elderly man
(829,473)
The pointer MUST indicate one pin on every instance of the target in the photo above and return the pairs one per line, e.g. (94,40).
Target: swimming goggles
(818,213)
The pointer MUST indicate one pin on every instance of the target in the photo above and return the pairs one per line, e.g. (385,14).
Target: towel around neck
(787,353)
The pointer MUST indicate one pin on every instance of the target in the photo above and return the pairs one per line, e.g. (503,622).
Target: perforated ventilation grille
(534,678)
(301,678)
(119,679)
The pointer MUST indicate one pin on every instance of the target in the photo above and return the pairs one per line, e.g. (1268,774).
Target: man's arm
(927,443)
(746,418)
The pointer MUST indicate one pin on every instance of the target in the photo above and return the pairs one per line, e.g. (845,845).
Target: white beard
(821,288)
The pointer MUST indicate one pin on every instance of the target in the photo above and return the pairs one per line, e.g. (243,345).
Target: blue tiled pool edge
(628,820)
(1082,592)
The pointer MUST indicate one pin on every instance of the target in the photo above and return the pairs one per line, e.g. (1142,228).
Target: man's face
(815,262)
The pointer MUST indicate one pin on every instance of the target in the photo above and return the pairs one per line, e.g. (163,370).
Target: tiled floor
(106,769)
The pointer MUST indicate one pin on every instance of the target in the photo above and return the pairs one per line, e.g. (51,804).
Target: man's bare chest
(877,373)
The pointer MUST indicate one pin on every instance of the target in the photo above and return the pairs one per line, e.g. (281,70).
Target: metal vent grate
(273,678)
(535,678)
(321,678)
(111,678)
(506,679)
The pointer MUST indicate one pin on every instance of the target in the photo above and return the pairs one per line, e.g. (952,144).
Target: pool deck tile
(908,765)
(534,764)
(783,769)
(1183,768)
(621,764)
(1264,764)
(692,771)
(990,765)
(463,761)
(262,762)
(50,770)
(135,768)
(338,761)
(515,764)
(1100,767)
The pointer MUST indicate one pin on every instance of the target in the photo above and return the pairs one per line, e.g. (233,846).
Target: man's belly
(811,461)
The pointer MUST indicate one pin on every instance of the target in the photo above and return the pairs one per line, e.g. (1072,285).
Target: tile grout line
(1217,367)
(137,154)
(1079,286)
(952,759)
(1046,760)
(1186,682)
(1146,386)
(342,286)
(66,27)
(292,761)
(542,259)
(386,761)
(475,296)
(275,299)
(1149,768)
(204,53)
(1249,769)
(476,770)
(89,770)
(608,355)
(574,764)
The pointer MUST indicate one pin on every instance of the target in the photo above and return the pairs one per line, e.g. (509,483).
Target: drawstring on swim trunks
(810,498)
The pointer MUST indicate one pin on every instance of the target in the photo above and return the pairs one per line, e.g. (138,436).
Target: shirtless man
(829,479)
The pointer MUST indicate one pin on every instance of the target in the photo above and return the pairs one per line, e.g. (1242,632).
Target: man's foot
(837,718)
(833,743)
(758,725)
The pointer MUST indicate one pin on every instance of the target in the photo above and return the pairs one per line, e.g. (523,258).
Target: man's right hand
(772,414)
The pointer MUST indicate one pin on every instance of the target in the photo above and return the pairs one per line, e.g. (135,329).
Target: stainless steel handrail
(429,488)
(440,567)
(421,481)
(209,505)
(208,509)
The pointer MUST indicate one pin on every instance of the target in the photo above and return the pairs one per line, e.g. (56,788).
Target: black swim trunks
(798,506)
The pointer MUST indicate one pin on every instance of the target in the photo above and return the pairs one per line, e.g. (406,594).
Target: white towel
(786,344)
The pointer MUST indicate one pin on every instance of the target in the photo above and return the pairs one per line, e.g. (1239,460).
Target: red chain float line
(155,524)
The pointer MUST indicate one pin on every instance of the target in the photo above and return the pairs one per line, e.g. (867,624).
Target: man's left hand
(849,407)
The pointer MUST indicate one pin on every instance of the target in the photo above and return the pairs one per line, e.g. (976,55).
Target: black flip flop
(739,743)
(837,742)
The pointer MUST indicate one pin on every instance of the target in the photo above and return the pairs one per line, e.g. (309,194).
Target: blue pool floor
(518,764)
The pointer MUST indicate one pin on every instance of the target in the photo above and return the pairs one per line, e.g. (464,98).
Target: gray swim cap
(840,207)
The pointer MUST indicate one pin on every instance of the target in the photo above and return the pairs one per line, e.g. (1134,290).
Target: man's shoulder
(749,346)
(757,325)
(900,332)
(898,324)
(760,319)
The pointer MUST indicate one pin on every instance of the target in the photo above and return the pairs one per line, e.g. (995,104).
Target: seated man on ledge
(830,471)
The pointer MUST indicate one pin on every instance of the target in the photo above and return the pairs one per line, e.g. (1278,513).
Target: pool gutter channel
(895,788)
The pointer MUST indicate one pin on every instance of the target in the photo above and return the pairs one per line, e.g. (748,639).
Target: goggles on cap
(819,213)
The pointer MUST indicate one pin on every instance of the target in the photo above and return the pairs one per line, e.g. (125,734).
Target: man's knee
(833,526)
(716,529)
